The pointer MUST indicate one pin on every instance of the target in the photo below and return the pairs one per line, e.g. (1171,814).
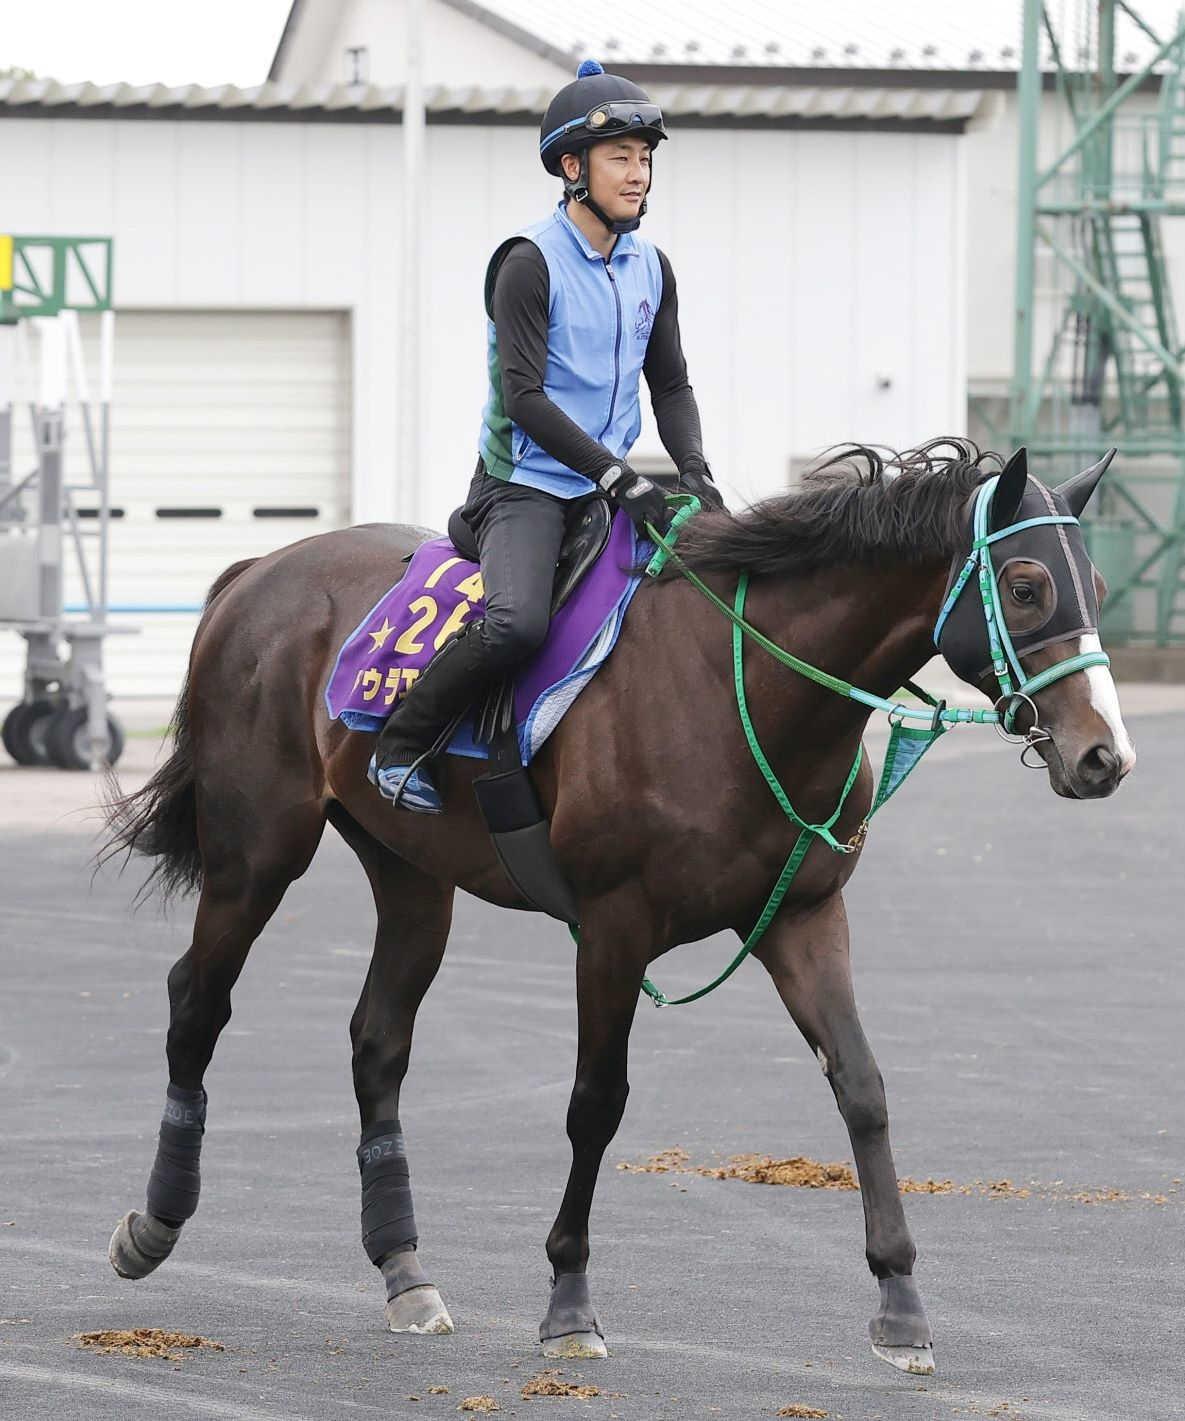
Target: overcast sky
(143,41)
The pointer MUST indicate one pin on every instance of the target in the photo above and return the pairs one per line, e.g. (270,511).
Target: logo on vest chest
(644,322)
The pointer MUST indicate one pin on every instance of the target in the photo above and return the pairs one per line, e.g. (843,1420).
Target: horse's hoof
(918,1361)
(899,1333)
(140,1244)
(419,1310)
(571,1329)
(575,1345)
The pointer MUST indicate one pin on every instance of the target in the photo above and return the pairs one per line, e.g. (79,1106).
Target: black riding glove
(642,500)
(695,477)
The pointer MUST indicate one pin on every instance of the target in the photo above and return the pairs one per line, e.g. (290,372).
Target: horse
(851,570)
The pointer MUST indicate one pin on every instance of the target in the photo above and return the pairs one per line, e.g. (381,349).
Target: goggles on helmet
(613,117)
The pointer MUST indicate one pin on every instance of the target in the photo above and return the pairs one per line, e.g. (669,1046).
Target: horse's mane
(859,505)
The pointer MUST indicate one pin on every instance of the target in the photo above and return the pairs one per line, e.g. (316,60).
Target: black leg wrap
(388,1219)
(901,1321)
(176,1178)
(570,1309)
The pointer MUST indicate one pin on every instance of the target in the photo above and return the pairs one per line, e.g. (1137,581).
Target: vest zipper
(616,349)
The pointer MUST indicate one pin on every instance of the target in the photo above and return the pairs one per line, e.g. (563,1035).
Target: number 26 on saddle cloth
(398,637)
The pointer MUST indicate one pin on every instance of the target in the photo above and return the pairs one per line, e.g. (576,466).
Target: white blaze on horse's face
(1104,698)
(1085,743)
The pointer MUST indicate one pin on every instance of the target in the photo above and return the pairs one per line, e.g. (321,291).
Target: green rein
(906,747)
(907,743)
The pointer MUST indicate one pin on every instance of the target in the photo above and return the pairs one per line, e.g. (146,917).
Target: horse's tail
(160,820)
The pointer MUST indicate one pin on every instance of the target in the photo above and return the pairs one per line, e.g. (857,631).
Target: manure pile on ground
(550,1383)
(145,1342)
(799,1172)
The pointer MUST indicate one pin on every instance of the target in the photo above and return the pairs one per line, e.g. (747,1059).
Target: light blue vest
(600,315)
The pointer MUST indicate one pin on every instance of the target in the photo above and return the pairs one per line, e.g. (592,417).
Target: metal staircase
(1130,257)
(1170,178)
(1114,370)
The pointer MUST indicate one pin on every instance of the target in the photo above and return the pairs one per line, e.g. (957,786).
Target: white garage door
(230,437)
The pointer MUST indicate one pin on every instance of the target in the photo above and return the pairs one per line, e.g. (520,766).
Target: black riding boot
(451,682)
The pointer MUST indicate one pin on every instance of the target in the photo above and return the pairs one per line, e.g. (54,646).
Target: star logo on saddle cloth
(379,638)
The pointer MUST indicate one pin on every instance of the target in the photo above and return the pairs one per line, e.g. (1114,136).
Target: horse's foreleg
(414,916)
(807,957)
(241,890)
(608,979)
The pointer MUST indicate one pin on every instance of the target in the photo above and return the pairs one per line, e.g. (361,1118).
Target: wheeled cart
(51,524)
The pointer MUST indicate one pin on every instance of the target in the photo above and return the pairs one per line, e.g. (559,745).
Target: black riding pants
(518,532)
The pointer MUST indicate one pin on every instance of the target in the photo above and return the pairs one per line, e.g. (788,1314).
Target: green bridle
(1005,662)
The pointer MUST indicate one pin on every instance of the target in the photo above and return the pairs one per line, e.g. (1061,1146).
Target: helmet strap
(577,189)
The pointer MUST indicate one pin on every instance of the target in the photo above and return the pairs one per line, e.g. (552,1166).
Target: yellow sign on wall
(5,262)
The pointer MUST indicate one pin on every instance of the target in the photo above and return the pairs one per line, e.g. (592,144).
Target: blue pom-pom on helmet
(593,107)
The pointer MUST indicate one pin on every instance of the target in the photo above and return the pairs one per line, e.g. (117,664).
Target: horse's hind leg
(414,916)
(807,956)
(249,863)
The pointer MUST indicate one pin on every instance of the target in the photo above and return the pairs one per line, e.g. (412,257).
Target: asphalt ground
(1018,962)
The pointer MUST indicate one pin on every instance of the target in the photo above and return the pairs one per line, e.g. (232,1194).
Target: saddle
(506,795)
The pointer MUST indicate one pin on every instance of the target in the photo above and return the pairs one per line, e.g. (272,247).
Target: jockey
(579,307)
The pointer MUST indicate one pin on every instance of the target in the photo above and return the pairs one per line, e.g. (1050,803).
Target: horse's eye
(1023,593)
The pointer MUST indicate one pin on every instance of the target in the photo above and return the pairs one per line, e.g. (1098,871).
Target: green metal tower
(1093,290)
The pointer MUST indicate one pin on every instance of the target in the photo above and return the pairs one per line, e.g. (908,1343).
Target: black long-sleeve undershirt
(520,311)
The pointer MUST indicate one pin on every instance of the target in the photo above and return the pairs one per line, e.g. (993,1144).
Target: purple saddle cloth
(437,595)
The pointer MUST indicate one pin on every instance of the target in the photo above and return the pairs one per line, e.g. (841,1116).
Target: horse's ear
(1077,491)
(1010,490)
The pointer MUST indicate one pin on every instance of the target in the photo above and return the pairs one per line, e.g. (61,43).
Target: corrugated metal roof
(704,102)
(50,94)
(811,34)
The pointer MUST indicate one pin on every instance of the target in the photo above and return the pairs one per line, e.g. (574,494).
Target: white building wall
(813,268)
(290,216)
(456,49)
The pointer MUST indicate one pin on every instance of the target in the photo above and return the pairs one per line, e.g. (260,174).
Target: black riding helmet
(594,106)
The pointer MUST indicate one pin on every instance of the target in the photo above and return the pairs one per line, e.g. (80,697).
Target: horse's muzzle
(1095,774)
